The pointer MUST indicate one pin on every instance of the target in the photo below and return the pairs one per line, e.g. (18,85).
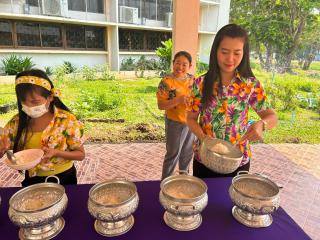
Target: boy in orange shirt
(172,95)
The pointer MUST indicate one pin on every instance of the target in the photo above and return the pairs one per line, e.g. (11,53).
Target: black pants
(67,177)
(201,171)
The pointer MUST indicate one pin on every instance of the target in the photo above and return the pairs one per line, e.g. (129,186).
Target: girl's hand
(254,132)
(48,154)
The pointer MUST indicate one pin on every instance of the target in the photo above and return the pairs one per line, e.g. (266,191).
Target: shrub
(105,71)
(165,53)
(70,68)
(88,73)
(128,64)
(202,68)
(48,70)
(15,64)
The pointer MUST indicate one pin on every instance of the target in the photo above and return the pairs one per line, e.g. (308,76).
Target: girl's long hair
(213,74)
(21,92)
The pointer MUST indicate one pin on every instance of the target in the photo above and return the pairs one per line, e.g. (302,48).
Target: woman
(221,98)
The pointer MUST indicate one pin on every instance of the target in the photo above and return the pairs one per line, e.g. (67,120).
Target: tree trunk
(308,61)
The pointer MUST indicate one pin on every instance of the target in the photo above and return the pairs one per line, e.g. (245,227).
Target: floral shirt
(64,133)
(168,89)
(227,115)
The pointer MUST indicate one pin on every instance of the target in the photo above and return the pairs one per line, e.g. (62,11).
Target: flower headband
(40,82)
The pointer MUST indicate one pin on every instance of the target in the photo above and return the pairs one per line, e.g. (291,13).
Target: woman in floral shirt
(44,122)
(219,102)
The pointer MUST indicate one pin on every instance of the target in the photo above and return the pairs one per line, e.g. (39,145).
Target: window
(85,37)
(5,33)
(95,6)
(94,37)
(50,35)
(28,34)
(77,5)
(76,37)
(149,9)
(32,2)
(141,40)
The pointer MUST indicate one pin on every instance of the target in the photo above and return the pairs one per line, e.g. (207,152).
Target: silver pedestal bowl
(37,210)
(112,204)
(255,197)
(183,197)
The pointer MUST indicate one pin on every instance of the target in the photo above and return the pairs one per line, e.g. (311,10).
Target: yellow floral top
(64,133)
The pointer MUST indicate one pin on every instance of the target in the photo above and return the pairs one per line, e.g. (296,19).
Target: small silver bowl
(37,210)
(183,197)
(112,204)
(255,197)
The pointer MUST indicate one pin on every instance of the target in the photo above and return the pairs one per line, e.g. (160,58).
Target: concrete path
(295,167)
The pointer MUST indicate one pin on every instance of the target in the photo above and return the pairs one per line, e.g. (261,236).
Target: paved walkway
(295,167)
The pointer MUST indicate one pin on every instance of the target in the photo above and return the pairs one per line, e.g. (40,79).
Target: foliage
(15,64)
(309,46)
(275,27)
(202,68)
(69,67)
(165,55)
(48,70)
(105,72)
(88,73)
(128,64)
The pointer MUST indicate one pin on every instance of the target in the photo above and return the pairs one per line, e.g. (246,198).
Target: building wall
(212,16)
(56,59)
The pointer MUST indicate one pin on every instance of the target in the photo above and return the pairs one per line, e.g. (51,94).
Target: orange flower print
(207,129)
(241,89)
(193,103)
(223,107)
(260,94)
(234,139)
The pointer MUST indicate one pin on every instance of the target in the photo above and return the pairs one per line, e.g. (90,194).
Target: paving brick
(294,166)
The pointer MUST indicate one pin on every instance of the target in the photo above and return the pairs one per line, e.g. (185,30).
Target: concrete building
(91,32)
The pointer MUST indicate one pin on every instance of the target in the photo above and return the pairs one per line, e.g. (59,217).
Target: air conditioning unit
(54,7)
(129,15)
(169,19)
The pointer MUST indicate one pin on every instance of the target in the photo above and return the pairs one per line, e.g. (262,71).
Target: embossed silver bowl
(37,210)
(255,197)
(183,197)
(213,159)
(112,204)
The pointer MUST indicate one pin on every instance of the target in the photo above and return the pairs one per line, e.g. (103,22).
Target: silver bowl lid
(37,197)
(112,192)
(255,186)
(183,188)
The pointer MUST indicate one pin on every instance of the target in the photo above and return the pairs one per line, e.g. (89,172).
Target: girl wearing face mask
(44,122)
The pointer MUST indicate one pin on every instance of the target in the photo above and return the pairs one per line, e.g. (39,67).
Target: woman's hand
(48,154)
(254,132)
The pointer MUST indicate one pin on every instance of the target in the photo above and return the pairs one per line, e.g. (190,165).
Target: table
(218,222)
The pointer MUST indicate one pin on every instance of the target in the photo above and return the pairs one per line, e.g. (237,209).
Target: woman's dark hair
(184,54)
(21,91)
(213,74)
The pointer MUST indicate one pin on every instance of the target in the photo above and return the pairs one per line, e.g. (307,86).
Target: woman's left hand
(254,132)
(48,153)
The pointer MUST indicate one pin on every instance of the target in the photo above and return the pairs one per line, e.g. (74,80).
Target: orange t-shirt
(169,88)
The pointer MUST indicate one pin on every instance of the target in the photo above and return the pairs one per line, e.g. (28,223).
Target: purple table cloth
(217,219)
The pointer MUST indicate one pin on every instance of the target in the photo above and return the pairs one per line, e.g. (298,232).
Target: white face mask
(35,112)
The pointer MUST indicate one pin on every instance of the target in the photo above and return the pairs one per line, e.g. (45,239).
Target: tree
(275,27)
(310,44)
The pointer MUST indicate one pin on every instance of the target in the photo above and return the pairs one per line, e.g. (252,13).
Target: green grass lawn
(126,110)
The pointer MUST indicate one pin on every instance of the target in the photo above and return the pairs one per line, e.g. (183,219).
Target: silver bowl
(255,197)
(112,204)
(37,210)
(220,163)
(183,197)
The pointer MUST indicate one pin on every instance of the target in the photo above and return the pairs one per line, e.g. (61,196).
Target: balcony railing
(54,8)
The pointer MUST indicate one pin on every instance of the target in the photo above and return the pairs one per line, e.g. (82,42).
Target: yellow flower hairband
(40,82)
